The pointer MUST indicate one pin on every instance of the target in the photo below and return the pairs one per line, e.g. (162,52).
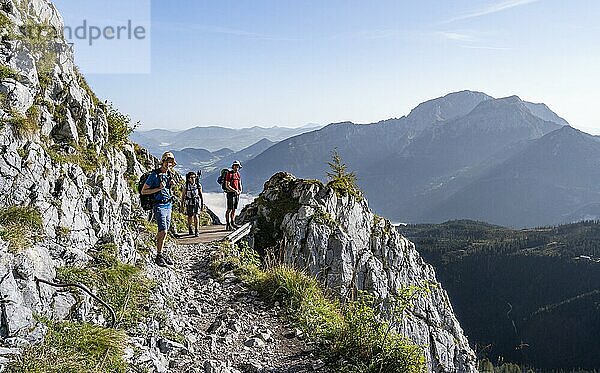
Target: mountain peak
(448,107)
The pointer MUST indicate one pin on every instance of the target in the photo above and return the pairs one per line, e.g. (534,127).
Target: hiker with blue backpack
(231,183)
(158,185)
(192,201)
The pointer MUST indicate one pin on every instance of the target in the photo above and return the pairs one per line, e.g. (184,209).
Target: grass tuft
(7,73)
(355,337)
(74,348)
(20,226)
(123,286)
(27,124)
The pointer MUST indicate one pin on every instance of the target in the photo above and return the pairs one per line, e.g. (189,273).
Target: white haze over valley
(217,202)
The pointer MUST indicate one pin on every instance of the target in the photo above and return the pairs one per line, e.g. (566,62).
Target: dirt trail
(224,326)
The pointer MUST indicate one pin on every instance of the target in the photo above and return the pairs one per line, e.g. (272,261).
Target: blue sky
(289,63)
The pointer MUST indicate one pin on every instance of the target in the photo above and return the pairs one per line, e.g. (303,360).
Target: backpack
(222,177)
(148,200)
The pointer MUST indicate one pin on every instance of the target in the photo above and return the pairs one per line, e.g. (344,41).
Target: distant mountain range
(213,138)
(464,155)
(190,159)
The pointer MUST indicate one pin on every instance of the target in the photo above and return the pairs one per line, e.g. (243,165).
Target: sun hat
(167,156)
(236,163)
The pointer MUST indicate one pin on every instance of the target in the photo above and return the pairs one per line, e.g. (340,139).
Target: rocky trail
(207,325)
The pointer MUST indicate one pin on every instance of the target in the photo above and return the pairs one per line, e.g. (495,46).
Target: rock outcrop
(55,157)
(339,240)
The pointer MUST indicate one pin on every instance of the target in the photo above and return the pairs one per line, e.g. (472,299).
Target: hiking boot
(234,226)
(195,233)
(160,261)
(190,230)
(228,227)
(167,259)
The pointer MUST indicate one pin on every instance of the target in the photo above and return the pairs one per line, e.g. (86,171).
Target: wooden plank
(206,234)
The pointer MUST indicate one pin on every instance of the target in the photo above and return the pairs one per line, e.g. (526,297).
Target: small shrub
(204,218)
(74,347)
(20,226)
(119,127)
(45,79)
(22,152)
(179,220)
(85,157)
(340,180)
(5,22)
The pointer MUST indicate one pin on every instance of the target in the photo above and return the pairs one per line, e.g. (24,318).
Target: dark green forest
(528,296)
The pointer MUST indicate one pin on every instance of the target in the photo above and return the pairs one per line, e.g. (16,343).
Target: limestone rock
(339,240)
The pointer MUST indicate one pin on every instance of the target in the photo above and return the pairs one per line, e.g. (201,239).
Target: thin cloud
(183,27)
(456,36)
(493,8)
(486,47)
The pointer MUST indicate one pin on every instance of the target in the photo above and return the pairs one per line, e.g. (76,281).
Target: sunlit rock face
(55,156)
(338,239)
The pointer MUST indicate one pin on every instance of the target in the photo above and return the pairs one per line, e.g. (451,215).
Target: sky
(290,63)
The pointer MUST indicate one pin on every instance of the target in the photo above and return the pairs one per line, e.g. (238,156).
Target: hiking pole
(84,288)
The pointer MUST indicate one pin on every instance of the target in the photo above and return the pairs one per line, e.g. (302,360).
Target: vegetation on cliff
(354,336)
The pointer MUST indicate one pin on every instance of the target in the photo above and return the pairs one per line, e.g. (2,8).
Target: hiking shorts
(162,214)
(192,210)
(232,201)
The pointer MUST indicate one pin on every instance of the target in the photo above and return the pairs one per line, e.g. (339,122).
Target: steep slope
(546,183)
(63,175)
(349,249)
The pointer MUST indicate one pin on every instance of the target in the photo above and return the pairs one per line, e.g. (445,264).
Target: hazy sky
(245,63)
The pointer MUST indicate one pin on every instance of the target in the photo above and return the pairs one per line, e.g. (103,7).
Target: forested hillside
(529,296)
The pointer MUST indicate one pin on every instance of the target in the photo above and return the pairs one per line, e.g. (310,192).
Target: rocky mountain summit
(340,241)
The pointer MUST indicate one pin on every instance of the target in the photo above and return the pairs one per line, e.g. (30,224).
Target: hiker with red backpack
(192,201)
(233,189)
(158,185)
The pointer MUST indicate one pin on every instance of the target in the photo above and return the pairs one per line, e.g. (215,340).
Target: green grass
(7,73)
(20,226)
(5,22)
(353,337)
(84,157)
(74,348)
(123,286)
(324,218)
(27,124)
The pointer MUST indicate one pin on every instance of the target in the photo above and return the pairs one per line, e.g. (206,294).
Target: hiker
(192,201)
(159,183)
(233,188)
